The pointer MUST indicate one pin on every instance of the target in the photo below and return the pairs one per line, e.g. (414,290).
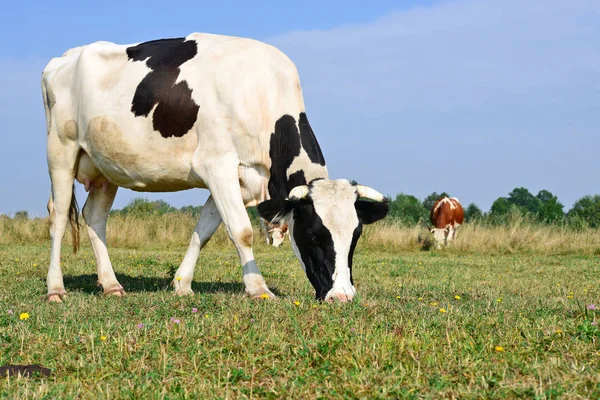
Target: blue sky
(466,96)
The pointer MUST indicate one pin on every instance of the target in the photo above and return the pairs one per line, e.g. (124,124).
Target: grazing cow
(446,216)
(204,111)
(274,234)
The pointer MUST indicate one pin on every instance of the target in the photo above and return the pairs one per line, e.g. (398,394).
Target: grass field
(506,320)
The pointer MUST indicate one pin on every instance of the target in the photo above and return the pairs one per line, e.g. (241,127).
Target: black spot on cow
(355,235)
(315,245)
(296,179)
(284,146)
(309,141)
(176,112)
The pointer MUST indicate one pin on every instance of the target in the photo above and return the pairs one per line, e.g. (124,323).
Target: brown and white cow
(203,111)
(274,234)
(446,216)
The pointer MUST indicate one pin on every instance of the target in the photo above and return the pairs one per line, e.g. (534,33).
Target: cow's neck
(296,157)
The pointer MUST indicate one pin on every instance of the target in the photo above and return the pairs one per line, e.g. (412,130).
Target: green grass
(393,342)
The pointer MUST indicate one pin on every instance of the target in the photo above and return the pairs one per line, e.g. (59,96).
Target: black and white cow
(204,111)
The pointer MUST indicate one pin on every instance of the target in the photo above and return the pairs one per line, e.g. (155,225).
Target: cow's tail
(74,221)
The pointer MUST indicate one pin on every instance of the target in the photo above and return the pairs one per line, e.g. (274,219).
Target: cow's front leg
(225,189)
(209,221)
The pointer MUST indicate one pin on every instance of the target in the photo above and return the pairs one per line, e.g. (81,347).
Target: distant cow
(446,216)
(274,233)
(204,111)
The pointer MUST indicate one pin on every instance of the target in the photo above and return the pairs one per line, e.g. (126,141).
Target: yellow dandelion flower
(398,297)
(499,300)
(420,299)
(442,310)
(206,316)
(296,303)
(559,331)
(558,285)
(17,260)
(433,303)
(178,278)
(314,306)
(35,265)
(264,296)
(457,297)
(570,296)
(103,338)
(499,348)
(23,316)
(399,285)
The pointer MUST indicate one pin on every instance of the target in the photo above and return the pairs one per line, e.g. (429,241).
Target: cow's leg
(209,221)
(225,188)
(450,234)
(95,213)
(62,157)
(265,229)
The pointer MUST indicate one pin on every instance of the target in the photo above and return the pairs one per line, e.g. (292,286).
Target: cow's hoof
(184,292)
(265,295)
(117,292)
(56,297)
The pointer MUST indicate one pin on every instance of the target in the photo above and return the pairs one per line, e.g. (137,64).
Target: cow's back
(446,211)
(150,114)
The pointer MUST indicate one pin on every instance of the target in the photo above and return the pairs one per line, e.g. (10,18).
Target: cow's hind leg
(95,213)
(209,221)
(62,159)
(225,189)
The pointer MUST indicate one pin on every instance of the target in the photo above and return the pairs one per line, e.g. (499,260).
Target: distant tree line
(140,207)
(543,208)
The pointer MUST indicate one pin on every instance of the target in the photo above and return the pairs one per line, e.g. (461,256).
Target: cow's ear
(371,211)
(277,211)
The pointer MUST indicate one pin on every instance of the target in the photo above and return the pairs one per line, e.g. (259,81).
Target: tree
(193,210)
(430,200)
(408,209)
(141,206)
(472,213)
(550,210)
(500,207)
(587,209)
(524,200)
(21,215)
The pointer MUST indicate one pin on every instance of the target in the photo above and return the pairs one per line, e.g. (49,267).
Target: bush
(586,209)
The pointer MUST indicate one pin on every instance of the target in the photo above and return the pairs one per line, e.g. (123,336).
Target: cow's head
(325,220)
(277,235)
(440,235)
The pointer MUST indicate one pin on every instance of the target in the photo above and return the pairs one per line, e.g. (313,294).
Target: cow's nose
(343,297)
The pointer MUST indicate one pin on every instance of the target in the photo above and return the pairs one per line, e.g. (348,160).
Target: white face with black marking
(324,228)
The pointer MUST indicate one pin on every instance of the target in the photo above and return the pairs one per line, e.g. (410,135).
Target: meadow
(505,312)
